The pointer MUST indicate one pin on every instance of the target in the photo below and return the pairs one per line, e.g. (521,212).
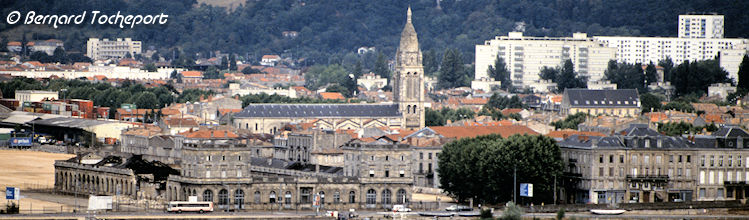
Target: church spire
(408,15)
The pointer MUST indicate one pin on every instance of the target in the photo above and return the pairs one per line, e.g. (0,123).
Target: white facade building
(720,89)
(701,26)
(109,71)
(695,42)
(526,56)
(372,82)
(106,49)
(34,95)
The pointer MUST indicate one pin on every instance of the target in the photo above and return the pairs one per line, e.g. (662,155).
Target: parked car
(458,208)
(400,208)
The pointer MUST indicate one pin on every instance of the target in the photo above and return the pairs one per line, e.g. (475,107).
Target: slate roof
(586,142)
(602,98)
(730,131)
(639,130)
(318,111)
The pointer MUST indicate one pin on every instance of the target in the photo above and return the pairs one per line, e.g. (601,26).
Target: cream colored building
(105,49)
(34,95)
(701,26)
(620,102)
(371,82)
(526,56)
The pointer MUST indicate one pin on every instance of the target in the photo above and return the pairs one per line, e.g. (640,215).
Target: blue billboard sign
(20,142)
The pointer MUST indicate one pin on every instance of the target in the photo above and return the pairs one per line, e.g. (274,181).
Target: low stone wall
(643,206)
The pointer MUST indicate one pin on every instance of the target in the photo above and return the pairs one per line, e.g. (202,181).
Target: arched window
(208,195)
(386,197)
(272,197)
(408,109)
(256,197)
(337,197)
(287,198)
(400,197)
(371,197)
(239,198)
(414,111)
(352,197)
(223,197)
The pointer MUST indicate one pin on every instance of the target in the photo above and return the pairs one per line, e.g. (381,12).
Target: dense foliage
(481,168)
(650,102)
(625,75)
(695,77)
(498,101)
(446,115)
(570,122)
(330,29)
(680,128)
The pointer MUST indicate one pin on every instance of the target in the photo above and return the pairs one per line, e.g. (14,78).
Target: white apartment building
(105,49)
(526,56)
(695,42)
(701,26)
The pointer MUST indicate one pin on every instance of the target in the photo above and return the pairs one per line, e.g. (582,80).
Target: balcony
(647,178)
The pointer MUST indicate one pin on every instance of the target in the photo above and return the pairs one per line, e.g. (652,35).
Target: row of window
(305,197)
(720,161)
(646,159)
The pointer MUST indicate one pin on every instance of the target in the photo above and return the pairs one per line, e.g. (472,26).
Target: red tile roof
(473,131)
(194,74)
(332,95)
(209,133)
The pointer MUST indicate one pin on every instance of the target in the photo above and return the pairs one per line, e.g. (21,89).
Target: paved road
(311,215)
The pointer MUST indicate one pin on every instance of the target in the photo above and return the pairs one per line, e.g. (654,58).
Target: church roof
(319,111)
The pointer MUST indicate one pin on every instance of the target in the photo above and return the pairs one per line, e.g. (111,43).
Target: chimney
(594,142)
(317,168)
(211,133)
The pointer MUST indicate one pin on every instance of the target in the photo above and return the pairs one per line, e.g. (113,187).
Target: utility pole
(514,184)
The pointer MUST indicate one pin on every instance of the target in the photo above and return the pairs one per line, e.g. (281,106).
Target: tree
(249,70)
(233,62)
(570,122)
(568,78)
(625,76)
(500,73)
(695,77)
(224,63)
(549,73)
(150,67)
(743,83)
(430,62)
(145,100)
(433,118)
(155,57)
(650,102)
(651,75)
(488,162)
(59,55)
(381,67)
(128,55)
(452,72)
(667,65)
(501,102)
(357,71)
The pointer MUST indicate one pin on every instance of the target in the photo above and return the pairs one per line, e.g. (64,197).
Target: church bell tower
(408,79)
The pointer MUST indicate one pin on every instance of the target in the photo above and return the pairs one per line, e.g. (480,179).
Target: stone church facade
(406,112)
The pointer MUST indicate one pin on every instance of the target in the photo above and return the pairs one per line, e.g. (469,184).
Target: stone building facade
(641,165)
